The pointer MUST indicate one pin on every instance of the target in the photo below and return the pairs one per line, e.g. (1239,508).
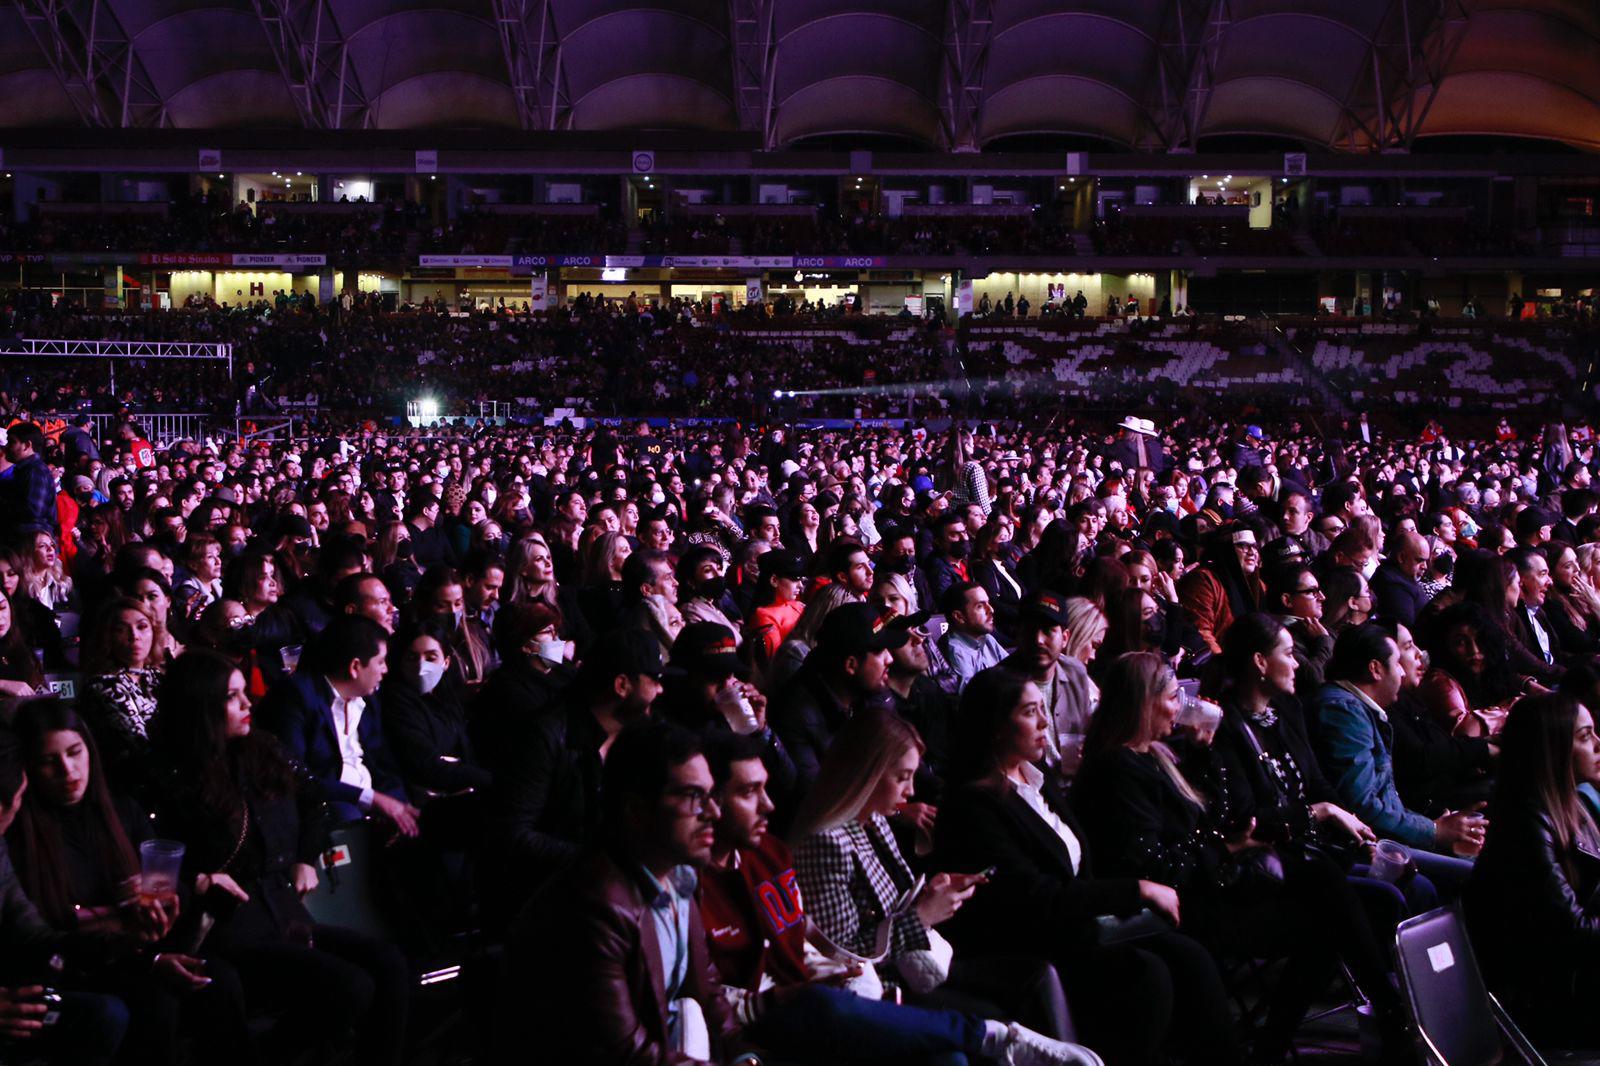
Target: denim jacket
(1355,743)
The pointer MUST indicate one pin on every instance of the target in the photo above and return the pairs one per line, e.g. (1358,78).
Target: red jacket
(753,918)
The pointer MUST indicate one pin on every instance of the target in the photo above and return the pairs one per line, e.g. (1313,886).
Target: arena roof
(950,74)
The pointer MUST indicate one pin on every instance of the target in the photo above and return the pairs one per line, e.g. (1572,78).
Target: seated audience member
(20,673)
(328,717)
(706,690)
(1226,584)
(1534,634)
(549,766)
(847,669)
(1347,599)
(921,700)
(1145,820)
(778,606)
(1364,679)
(119,695)
(865,901)
(968,644)
(1130,999)
(253,580)
(1434,769)
(1294,596)
(782,990)
(1269,777)
(1070,697)
(1531,904)
(423,718)
(91,1025)
(1470,685)
(1572,605)
(650,597)
(1396,587)
(251,835)
(533,673)
(75,845)
(803,637)
(635,981)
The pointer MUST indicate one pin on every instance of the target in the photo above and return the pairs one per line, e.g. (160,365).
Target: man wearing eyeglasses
(1295,597)
(610,963)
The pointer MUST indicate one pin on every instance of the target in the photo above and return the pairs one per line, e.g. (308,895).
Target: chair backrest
(1445,988)
(346,879)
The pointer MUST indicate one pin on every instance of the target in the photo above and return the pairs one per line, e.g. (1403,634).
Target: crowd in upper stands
(733,744)
(364,356)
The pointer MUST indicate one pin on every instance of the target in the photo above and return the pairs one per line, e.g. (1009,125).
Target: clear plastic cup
(160,862)
(1390,861)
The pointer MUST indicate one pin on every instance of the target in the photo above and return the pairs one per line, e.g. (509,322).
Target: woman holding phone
(863,897)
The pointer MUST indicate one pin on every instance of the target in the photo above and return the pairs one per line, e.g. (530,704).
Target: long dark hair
(1499,681)
(37,832)
(190,734)
(16,652)
(986,703)
(1535,767)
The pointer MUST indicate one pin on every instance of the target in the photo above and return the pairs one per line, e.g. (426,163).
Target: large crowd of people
(953,743)
(616,358)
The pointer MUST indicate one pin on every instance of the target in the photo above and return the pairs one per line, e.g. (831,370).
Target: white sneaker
(1024,1047)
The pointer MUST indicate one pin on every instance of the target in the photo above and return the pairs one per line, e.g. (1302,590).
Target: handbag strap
(238,845)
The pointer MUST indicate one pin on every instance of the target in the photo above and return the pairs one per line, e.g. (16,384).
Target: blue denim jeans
(822,1024)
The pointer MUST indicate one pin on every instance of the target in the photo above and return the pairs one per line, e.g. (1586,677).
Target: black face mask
(1155,630)
(957,549)
(901,564)
(711,589)
(402,550)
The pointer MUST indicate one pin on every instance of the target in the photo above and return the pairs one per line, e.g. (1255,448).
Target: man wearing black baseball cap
(848,667)
(1069,695)
(707,691)
(548,777)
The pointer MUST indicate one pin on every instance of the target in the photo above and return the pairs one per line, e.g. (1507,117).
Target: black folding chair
(1459,1021)
(344,895)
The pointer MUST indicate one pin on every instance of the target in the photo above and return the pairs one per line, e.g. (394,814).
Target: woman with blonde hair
(862,896)
(44,578)
(531,578)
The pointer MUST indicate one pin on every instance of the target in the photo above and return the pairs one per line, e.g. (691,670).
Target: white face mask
(1370,568)
(552,651)
(657,496)
(429,675)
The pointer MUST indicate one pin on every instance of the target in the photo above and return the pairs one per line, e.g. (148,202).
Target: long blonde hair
(823,602)
(1086,623)
(861,753)
(517,586)
(1127,713)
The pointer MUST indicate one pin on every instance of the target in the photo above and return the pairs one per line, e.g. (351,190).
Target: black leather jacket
(1533,907)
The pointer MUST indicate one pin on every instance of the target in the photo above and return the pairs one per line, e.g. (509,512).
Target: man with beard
(1069,696)
(848,667)
(611,964)
(548,777)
